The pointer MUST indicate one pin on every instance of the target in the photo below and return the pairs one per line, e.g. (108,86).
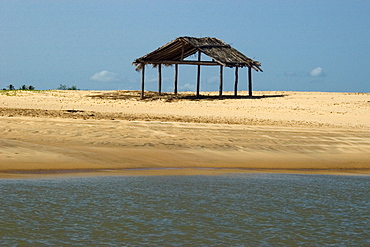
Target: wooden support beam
(250,81)
(176,76)
(159,79)
(221,80)
(142,81)
(236,81)
(185,62)
(198,75)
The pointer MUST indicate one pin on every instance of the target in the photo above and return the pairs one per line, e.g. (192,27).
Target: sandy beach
(114,132)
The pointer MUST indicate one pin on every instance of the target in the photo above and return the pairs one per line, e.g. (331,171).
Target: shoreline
(172,171)
(305,133)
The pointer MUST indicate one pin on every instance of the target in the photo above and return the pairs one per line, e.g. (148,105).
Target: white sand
(282,131)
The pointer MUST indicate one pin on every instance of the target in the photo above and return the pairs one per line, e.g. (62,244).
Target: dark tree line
(65,87)
(23,87)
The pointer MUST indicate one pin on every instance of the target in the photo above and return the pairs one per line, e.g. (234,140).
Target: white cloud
(105,76)
(152,79)
(317,72)
(187,87)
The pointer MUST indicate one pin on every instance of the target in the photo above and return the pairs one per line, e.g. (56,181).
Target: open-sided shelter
(174,53)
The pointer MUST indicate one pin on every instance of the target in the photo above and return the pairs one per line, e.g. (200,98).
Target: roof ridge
(185,46)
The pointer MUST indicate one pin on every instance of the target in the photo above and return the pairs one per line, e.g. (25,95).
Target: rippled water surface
(236,210)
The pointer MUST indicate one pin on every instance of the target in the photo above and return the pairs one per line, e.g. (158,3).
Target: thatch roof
(180,48)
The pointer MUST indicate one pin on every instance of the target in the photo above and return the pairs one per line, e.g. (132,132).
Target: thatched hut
(174,53)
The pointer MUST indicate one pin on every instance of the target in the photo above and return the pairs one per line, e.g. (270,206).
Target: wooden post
(236,81)
(221,80)
(250,81)
(142,81)
(176,76)
(159,79)
(198,76)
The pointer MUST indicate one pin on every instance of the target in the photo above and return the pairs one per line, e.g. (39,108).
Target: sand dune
(64,131)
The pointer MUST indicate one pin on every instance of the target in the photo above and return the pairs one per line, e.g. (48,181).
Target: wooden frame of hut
(174,53)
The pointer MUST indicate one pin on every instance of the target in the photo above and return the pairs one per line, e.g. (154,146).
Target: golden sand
(91,132)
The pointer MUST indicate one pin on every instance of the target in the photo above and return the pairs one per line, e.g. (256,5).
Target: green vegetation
(11,87)
(23,87)
(65,87)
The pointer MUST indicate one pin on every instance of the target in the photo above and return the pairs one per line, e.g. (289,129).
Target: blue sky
(302,45)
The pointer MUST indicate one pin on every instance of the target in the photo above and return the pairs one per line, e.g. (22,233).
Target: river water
(253,209)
